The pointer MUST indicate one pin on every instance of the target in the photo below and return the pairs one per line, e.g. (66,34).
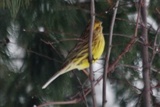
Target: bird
(78,56)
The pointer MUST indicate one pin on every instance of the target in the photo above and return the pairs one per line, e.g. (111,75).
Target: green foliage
(45,30)
(154,10)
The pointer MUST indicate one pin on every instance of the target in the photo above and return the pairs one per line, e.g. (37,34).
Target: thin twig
(59,103)
(90,53)
(129,37)
(128,47)
(43,55)
(158,11)
(70,39)
(104,99)
(155,46)
(49,31)
(130,66)
(82,87)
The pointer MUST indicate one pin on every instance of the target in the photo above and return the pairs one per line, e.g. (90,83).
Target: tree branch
(104,99)
(90,53)
(145,57)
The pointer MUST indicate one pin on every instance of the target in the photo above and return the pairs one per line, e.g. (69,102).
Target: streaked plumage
(78,57)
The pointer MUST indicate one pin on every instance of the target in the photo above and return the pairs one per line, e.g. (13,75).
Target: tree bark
(145,57)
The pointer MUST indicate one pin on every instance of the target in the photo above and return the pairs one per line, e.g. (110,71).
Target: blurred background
(36,36)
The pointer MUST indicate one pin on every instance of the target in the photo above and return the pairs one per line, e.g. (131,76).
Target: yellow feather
(78,57)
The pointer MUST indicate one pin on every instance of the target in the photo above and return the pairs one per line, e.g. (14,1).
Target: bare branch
(82,87)
(145,57)
(90,53)
(59,103)
(104,102)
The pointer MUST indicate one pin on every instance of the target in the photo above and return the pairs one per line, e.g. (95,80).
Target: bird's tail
(53,78)
(62,71)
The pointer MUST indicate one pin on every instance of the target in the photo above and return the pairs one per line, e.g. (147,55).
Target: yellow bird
(78,57)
